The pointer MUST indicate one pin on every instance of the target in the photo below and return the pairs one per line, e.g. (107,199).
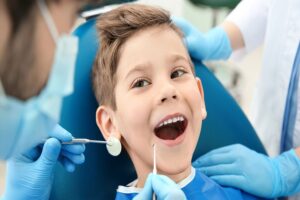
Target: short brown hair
(19,72)
(114,28)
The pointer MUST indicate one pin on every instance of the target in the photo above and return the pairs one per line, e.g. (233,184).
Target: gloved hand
(163,187)
(213,45)
(237,166)
(70,155)
(30,175)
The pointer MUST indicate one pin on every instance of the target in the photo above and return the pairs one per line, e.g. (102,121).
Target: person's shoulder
(125,196)
(127,192)
(203,177)
(226,192)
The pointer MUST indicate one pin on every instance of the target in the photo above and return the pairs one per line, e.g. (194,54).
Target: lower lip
(175,142)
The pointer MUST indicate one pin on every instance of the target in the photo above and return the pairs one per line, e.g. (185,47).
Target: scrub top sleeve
(251,18)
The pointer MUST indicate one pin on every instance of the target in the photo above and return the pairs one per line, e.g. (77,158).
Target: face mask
(25,124)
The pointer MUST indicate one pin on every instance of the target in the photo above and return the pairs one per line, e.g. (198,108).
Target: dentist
(37,59)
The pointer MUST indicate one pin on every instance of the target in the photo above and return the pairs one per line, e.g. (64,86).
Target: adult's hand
(237,166)
(163,187)
(213,45)
(30,175)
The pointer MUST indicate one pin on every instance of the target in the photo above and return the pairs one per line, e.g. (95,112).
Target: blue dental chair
(100,175)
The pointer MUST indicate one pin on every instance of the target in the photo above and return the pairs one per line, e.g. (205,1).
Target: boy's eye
(141,83)
(177,73)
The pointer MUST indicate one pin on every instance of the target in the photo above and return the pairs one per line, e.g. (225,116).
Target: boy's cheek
(133,114)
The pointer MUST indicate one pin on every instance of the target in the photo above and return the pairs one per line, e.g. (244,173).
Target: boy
(145,81)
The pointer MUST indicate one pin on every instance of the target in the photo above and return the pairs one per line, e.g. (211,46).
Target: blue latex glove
(30,175)
(239,167)
(163,187)
(213,45)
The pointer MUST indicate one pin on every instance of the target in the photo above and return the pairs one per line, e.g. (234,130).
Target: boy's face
(156,85)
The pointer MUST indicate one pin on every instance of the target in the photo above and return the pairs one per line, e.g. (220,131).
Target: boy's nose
(168,93)
(165,98)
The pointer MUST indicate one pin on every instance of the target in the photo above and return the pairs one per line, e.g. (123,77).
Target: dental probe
(85,141)
(154,166)
(154,160)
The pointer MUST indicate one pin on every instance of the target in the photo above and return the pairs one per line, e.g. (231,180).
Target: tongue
(168,133)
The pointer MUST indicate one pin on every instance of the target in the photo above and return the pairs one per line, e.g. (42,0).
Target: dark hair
(19,73)
(17,61)
(18,12)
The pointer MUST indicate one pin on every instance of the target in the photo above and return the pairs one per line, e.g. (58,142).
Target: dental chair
(99,177)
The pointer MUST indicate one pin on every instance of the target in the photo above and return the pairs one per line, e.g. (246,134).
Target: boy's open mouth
(171,127)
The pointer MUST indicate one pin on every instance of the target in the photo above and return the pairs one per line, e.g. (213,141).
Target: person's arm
(244,28)
(234,34)
(250,18)
(239,167)
(214,45)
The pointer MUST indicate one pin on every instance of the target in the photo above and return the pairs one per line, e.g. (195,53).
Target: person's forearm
(234,34)
(247,24)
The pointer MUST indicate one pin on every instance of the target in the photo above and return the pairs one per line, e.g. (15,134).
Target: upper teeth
(172,120)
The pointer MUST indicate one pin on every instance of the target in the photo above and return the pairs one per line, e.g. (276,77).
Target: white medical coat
(277,24)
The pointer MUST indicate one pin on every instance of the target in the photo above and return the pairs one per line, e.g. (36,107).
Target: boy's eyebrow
(178,57)
(137,68)
(143,66)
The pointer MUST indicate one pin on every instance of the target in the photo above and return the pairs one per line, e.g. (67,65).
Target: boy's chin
(176,160)
(176,169)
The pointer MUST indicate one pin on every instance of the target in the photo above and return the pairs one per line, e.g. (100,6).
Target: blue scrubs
(196,186)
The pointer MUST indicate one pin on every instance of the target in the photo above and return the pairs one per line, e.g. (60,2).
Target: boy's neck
(143,173)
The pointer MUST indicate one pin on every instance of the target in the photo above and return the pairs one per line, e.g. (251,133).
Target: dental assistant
(276,106)
(37,59)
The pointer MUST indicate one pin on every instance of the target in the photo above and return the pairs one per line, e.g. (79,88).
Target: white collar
(131,187)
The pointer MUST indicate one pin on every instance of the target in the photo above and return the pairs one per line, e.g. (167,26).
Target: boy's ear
(203,108)
(106,123)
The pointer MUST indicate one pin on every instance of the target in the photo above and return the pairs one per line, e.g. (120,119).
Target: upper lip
(170,117)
